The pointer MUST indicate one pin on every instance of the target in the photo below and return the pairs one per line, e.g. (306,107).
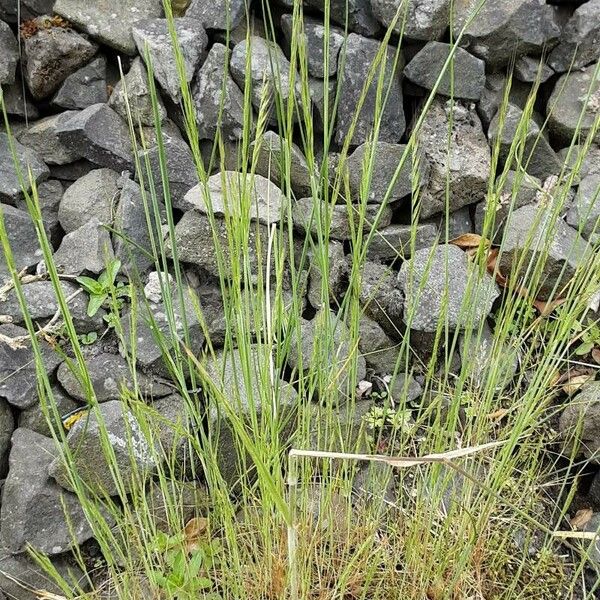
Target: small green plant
(88,338)
(100,290)
(381,418)
(588,335)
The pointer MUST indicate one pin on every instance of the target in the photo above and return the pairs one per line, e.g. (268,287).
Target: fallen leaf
(499,414)
(581,518)
(546,308)
(596,355)
(192,532)
(576,383)
(470,240)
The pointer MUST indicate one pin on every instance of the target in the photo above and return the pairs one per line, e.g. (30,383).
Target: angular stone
(219,101)
(132,454)
(91,197)
(34,419)
(109,21)
(50,194)
(36,511)
(579,44)
(528,231)
(86,249)
(580,423)
(529,70)
(100,135)
(398,241)
(247,397)
(85,87)
(18,568)
(380,351)
(41,137)
(500,31)
(109,375)
(220,14)
(7,426)
(381,298)
(271,157)
(454,224)
(269,69)
(229,191)
(358,12)
(425,19)
(135,90)
(464,77)
(538,158)
(13,12)
(23,240)
(360,53)
(154,35)
(441,286)
(459,160)
(17,101)
(51,54)
(29,163)
(518,189)
(304,217)
(585,212)
(180,166)
(381,160)
(9,54)
(573,105)
(314,38)
(18,377)
(336,275)
(42,304)
(72,171)
(321,114)
(492,97)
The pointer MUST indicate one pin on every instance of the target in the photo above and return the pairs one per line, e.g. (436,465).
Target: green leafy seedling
(99,290)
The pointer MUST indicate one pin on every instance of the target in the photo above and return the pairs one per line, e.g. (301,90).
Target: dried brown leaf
(581,518)
(576,383)
(596,355)
(470,240)
(193,531)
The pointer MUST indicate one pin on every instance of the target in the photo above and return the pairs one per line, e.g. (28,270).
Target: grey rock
(269,69)
(20,569)
(41,137)
(381,352)
(181,169)
(270,163)
(220,14)
(425,19)
(528,231)
(381,160)
(110,21)
(399,241)
(304,217)
(500,31)
(358,12)
(314,38)
(91,197)
(171,426)
(538,158)
(51,54)
(85,249)
(135,91)
(42,304)
(454,224)
(109,375)
(322,114)
(381,298)
(154,35)
(517,190)
(84,87)
(440,286)
(7,426)
(29,163)
(579,42)
(131,240)
(247,398)
(12,12)
(9,54)
(579,423)
(132,454)
(492,97)
(585,212)
(459,159)
(36,511)
(337,270)
(252,23)
(589,163)
(72,171)
(404,388)
(219,101)
(50,194)
(22,238)
(227,192)
(575,95)
(529,69)
(464,77)
(34,419)
(18,377)
(360,53)
(17,101)
(98,134)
